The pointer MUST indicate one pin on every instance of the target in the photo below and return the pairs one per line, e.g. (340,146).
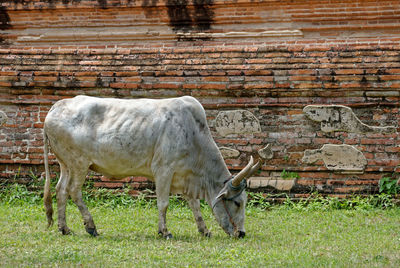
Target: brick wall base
(271,58)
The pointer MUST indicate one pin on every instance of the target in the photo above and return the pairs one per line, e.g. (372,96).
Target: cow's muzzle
(241,234)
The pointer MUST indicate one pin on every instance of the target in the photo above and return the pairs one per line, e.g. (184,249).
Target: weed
(257,200)
(317,202)
(102,197)
(388,185)
(16,175)
(19,194)
(289,175)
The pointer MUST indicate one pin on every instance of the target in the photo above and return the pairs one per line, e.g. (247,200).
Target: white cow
(167,141)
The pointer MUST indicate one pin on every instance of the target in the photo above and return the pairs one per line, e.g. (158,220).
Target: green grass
(282,236)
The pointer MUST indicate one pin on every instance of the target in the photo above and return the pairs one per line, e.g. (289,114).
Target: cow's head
(229,204)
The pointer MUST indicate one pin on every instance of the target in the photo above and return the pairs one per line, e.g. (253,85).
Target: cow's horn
(254,168)
(243,174)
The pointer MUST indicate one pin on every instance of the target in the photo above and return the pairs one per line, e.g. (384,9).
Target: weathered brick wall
(271,58)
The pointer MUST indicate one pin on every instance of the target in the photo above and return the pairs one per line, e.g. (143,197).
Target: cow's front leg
(162,215)
(201,226)
(162,191)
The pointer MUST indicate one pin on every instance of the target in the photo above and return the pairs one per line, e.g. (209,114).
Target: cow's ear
(222,194)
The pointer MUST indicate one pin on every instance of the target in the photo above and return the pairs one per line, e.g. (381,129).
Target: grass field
(279,236)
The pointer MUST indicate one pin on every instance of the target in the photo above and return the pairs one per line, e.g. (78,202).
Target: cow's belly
(121,163)
(121,171)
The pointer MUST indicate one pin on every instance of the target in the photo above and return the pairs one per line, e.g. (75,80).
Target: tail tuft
(48,202)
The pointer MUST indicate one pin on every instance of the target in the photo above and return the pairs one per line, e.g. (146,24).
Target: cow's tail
(48,203)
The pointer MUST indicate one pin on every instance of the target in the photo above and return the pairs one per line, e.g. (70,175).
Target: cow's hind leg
(201,226)
(62,197)
(77,179)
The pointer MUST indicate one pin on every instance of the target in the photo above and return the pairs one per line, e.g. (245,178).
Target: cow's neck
(218,175)
(214,171)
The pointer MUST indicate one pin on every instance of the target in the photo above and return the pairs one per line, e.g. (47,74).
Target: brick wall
(271,58)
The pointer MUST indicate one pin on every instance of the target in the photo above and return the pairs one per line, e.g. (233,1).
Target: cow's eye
(237,203)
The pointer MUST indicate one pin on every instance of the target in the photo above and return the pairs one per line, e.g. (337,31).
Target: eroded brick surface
(341,118)
(236,122)
(340,158)
(3,117)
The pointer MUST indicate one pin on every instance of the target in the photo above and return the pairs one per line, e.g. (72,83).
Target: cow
(165,140)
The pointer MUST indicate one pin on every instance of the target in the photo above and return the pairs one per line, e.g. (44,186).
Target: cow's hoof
(166,236)
(65,231)
(207,234)
(92,231)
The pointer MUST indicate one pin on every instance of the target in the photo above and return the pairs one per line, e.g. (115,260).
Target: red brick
(392,149)
(349,189)
(326,141)
(314,175)
(349,71)
(128,74)
(232,141)
(108,184)
(233,162)
(124,85)
(294,112)
(361,182)
(302,72)
(86,78)
(139,179)
(377,141)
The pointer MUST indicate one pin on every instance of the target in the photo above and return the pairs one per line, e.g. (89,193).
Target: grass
(308,234)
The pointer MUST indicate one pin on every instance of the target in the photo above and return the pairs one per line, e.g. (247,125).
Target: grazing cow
(167,141)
